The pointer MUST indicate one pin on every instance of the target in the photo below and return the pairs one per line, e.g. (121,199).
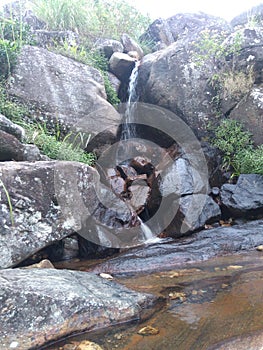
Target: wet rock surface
(42,305)
(200,246)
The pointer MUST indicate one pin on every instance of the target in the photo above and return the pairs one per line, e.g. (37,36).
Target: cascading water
(128,129)
(129,132)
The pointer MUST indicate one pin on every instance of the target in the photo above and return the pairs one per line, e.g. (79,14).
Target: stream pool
(205,303)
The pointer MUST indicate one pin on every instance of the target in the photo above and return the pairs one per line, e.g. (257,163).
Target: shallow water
(218,299)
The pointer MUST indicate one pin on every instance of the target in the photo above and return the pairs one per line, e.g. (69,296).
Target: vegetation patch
(239,154)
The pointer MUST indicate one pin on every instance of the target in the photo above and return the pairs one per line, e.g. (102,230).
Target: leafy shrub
(237,148)
(250,161)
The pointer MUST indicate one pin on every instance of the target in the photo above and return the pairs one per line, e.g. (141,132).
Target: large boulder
(43,202)
(171,79)
(61,91)
(249,112)
(197,87)
(42,305)
(244,199)
(162,33)
(184,189)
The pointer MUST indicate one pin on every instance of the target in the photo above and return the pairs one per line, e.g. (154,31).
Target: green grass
(92,18)
(66,149)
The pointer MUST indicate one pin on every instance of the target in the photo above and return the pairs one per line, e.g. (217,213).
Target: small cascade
(128,130)
(149,237)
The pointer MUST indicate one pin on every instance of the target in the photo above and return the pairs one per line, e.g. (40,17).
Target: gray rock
(61,90)
(200,246)
(255,15)
(158,35)
(32,153)
(10,147)
(11,128)
(42,305)
(131,45)
(108,46)
(115,82)
(46,38)
(249,112)
(252,341)
(183,26)
(171,79)
(182,179)
(192,212)
(52,200)
(245,199)
(121,65)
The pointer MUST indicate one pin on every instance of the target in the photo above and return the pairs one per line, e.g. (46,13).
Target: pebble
(260,248)
(148,330)
(106,276)
(234,267)
(176,295)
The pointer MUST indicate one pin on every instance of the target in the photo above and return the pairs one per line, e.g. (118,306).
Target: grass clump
(51,146)
(92,18)
(13,35)
(239,154)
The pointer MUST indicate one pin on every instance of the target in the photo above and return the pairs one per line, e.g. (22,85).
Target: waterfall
(149,237)
(128,130)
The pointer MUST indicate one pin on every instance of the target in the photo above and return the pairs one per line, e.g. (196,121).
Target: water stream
(217,300)
(128,133)
(128,129)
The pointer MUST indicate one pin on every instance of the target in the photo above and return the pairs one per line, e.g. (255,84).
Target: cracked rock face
(41,305)
(44,202)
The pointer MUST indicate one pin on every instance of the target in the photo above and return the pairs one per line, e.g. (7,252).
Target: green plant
(62,14)
(70,148)
(9,201)
(237,148)
(13,35)
(92,18)
(10,109)
(250,161)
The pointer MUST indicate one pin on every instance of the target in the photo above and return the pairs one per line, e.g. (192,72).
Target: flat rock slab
(201,246)
(38,306)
